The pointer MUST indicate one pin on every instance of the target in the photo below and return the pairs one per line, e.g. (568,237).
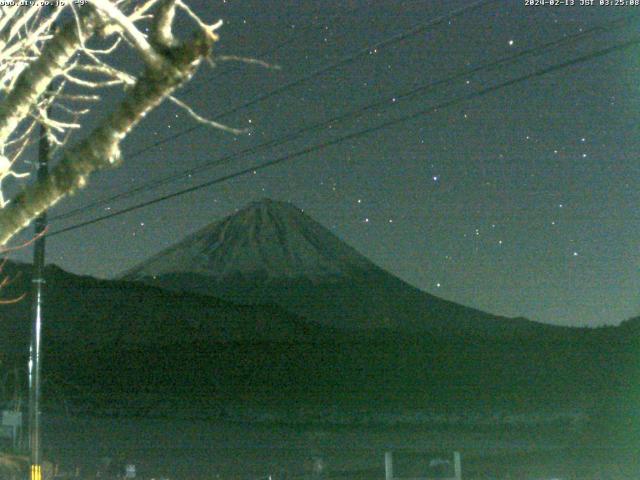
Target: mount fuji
(299,317)
(271,252)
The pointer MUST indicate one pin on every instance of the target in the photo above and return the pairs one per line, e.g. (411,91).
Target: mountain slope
(267,240)
(271,252)
(84,313)
(113,343)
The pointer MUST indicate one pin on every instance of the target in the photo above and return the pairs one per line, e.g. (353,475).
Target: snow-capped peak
(267,239)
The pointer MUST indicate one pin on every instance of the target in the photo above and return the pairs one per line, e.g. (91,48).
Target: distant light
(438,285)
(511,42)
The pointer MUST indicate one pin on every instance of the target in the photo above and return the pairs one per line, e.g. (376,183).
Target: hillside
(272,253)
(87,314)
(120,345)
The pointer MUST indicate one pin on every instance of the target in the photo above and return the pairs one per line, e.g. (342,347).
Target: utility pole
(38,281)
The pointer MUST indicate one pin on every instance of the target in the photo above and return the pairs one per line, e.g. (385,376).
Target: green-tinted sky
(521,202)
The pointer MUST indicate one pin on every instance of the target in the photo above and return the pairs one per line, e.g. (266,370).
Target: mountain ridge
(303,248)
(123,340)
(94,313)
(272,252)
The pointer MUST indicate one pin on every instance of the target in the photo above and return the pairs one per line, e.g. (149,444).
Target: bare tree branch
(35,79)
(206,121)
(101,149)
(33,55)
(139,41)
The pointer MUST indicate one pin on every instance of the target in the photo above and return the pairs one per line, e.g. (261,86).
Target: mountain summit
(267,239)
(271,252)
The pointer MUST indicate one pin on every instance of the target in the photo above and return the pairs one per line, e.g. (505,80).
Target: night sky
(520,202)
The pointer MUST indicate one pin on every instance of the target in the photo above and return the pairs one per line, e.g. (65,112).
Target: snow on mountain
(272,253)
(269,239)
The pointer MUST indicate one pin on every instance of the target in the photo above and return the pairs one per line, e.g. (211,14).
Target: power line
(383,102)
(286,41)
(344,60)
(544,71)
(322,70)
